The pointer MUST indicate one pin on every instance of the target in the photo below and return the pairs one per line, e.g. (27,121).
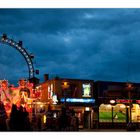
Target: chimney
(46,77)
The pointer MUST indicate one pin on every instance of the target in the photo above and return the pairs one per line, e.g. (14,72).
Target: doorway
(87,119)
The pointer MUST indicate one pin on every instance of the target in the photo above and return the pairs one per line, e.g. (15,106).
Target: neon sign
(123,101)
(54,98)
(50,91)
(127,101)
(77,100)
(138,101)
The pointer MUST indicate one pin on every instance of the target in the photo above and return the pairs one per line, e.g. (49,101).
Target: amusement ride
(25,93)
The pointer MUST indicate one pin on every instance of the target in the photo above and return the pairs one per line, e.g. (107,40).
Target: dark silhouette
(19,119)
(27,124)
(63,120)
(13,122)
(39,122)
(74,122)
(49,121)
(3,117)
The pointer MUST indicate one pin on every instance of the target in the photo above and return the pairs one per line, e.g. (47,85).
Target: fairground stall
(23,95)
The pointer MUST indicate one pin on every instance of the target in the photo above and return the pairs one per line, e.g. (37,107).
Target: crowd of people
(65,121)
(19,120)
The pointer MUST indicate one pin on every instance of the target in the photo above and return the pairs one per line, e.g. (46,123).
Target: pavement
(107,130)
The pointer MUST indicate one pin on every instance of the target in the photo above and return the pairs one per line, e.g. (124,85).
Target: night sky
(96,44)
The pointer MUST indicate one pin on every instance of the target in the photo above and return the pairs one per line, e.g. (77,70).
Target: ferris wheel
(27,56)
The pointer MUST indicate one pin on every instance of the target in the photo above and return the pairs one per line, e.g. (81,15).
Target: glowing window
(86,90)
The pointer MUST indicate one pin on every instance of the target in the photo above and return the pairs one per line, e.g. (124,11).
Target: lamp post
(65,86)
(130,88)
(127,114)
(112,102)
(130,126)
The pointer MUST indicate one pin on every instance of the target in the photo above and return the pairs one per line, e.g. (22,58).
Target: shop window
(135,113)
(119,113)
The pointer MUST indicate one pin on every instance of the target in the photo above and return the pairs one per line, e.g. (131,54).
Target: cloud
(98,44)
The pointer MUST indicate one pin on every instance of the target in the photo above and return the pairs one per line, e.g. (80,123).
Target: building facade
(75,94)
(118,103)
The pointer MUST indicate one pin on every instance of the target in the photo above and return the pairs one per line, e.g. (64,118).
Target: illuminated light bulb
(13,43)
(112,101)
(2,39)
(6,40)
(65,83)
(87,109)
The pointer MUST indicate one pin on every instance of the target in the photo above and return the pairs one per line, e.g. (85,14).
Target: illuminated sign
(87,109)
(44,118)
(50,91)
(138,101)
(54,98)
(86,90)
(123,101)
(77,100)
(126,101)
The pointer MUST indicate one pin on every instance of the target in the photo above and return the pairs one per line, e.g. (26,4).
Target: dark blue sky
(98,44)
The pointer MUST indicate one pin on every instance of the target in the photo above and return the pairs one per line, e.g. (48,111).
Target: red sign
(138,101)
(123,101)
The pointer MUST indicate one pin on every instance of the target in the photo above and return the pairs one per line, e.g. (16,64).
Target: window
(86,90)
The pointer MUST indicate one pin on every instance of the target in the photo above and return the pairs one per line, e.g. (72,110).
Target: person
(49,121)
(33,121)
(13,122)
(39,122)
(3,117)
(21,119)
(56,124)
(74,122)
(27,124)
(63,120)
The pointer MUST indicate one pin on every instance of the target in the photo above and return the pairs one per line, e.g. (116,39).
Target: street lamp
(65,86)
(130,126)
(130,88)
(112,102)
